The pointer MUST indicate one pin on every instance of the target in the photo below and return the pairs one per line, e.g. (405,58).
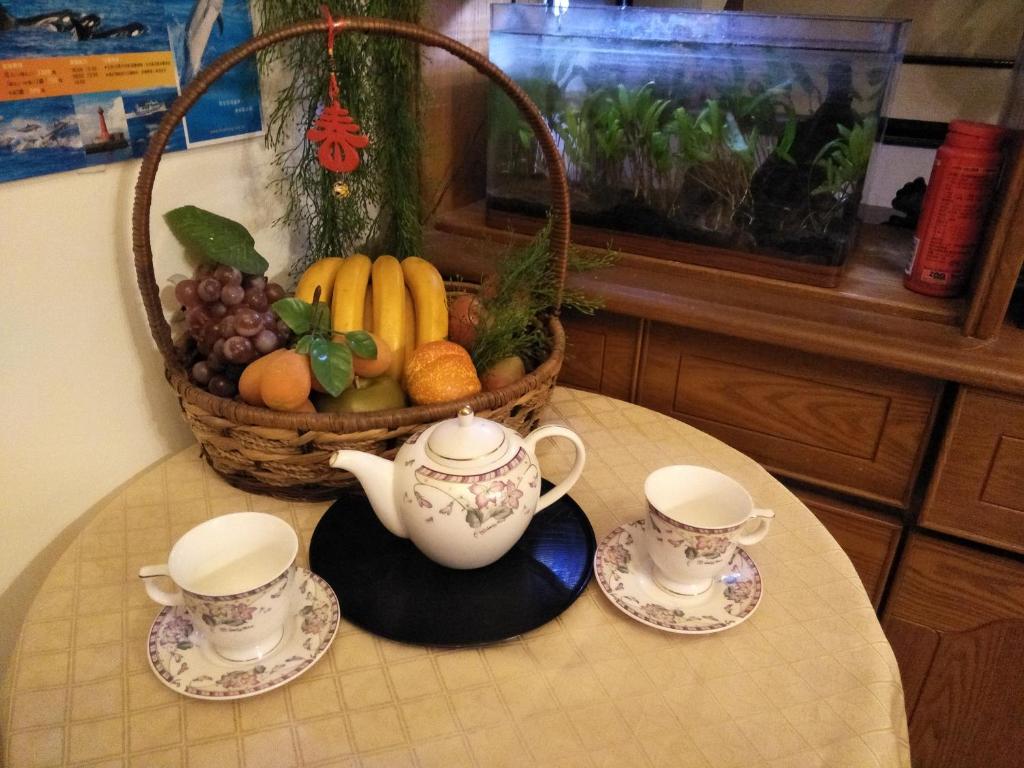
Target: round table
(808,680)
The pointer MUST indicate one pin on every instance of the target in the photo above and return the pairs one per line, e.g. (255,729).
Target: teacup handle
(161,596)
(553,430)
(762,518)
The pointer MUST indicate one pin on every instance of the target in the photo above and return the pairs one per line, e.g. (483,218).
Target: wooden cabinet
(978,492)
(862,430)
(868,538)
(601,353)
(840,390)
(955,620)
(854,428)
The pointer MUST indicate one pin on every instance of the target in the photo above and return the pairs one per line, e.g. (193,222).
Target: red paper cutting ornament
(334,129)
(338,135)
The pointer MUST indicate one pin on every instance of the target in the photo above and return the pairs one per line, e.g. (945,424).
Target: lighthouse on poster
(105,140)
(104,134)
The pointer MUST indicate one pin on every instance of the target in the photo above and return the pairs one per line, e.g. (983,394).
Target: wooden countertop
(869,318)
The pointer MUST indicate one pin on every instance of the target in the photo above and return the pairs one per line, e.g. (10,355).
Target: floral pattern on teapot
(485,500)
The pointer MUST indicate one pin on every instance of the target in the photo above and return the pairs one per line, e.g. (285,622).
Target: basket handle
(141,242)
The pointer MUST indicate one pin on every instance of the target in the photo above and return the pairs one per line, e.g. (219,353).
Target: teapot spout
(377,476)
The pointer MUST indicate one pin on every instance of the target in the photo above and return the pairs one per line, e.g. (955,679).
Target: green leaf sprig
(216,238)
(329,357)
(524,291)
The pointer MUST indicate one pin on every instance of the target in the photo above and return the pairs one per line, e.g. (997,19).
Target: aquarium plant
(731,130)
(844,161)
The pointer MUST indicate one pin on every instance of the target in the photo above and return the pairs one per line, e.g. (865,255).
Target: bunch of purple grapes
(228,314)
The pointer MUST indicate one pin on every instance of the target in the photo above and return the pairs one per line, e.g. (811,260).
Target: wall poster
(86,82)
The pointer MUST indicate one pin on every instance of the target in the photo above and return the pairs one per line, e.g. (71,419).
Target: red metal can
(955,207)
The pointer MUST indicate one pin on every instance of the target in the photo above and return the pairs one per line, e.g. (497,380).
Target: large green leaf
(320,318)
(216,238)
(303,344)
(296,313)
(332,364)
(362,344)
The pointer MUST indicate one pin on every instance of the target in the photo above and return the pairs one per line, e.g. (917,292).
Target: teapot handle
(553,430)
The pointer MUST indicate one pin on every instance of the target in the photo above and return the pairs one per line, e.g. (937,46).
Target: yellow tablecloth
(808,680)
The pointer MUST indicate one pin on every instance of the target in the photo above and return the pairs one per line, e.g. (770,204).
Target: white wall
(937,94)
(85,405)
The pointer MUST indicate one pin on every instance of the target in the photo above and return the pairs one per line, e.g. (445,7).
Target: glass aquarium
(738,132)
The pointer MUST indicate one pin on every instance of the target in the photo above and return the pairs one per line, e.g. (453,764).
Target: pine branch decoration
(380,85)
(522,293)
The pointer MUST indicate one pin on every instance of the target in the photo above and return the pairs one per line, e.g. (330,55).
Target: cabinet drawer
(955,621)
(842,425)
(943,587)
(951,587)
(978,491)
(600,353)
(868,538)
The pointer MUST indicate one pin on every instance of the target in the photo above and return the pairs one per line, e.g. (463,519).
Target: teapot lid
(466,438)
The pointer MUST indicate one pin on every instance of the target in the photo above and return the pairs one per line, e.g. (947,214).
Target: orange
(440,371)
(286,381)
(249,382)
(369,367)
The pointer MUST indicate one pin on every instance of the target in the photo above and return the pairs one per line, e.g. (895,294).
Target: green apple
(506,371)
(365,395)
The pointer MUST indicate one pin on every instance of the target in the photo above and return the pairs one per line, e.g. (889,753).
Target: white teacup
(696,517)
(233,574)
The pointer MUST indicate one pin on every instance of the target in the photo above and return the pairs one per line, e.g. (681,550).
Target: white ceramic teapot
(463,490)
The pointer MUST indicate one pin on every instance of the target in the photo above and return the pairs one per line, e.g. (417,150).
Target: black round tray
(388,587)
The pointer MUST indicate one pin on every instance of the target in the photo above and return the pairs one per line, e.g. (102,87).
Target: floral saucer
(183,661)
(623,571)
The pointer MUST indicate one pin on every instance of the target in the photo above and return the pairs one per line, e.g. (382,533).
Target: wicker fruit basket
(286,454)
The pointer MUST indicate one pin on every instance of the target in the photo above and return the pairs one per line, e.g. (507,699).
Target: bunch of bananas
(403,303)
